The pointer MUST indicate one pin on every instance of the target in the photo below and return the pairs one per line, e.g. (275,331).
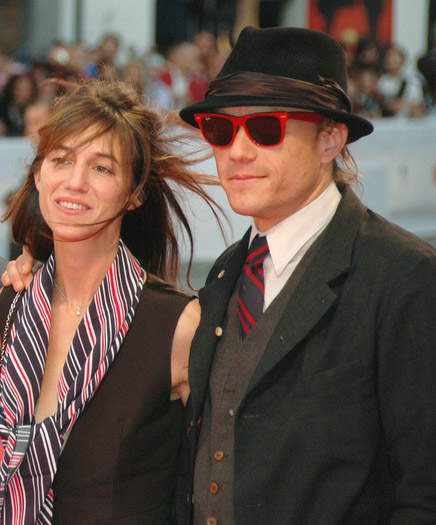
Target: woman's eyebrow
(108,156)
(96,154)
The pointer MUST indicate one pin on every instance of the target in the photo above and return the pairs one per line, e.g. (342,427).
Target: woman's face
(81,184)
(23,91)
(394,61)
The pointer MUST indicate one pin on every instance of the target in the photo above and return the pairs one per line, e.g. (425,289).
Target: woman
(98,351)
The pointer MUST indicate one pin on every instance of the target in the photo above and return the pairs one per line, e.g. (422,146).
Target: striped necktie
(250,302)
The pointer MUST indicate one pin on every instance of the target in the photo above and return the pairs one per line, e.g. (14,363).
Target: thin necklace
(78,307)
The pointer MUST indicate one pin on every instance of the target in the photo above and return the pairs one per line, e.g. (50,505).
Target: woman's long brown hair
(148,143)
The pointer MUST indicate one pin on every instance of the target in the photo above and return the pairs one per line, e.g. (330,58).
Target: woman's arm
(185,330)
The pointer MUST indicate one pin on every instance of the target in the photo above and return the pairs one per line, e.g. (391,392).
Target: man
(324,410)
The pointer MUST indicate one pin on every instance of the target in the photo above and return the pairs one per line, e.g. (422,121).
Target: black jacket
(345,393)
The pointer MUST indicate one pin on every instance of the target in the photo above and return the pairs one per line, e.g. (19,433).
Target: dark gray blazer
(338,424)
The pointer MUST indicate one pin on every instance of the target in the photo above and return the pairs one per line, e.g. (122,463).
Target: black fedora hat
(286,67)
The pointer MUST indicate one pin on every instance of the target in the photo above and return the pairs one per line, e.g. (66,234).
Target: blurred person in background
(58,55)
(106,53)
(427,67)
(183,80)
(402,92)
(367,53)
(108,48)
(365,97)
(5,70)
(80,61)
(210,56)
(36,115)
(134,73)
(157,91)
(48,90)
(18,92)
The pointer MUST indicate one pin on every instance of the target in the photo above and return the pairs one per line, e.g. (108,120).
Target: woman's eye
(103,169)
(60,160)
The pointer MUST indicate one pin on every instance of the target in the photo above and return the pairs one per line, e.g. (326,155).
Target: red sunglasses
(264,129)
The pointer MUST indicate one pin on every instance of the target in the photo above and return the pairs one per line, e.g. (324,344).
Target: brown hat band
(329,94)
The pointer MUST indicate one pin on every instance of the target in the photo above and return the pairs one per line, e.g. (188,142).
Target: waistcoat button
(219,454)
(213,488)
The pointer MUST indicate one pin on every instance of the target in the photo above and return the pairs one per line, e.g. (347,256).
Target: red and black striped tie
(250,302)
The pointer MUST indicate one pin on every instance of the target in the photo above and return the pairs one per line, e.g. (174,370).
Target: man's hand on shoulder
(18,273)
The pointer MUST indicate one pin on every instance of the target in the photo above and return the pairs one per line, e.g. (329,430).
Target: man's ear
(333,142)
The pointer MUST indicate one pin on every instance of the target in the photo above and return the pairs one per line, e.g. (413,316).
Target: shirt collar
(288,238)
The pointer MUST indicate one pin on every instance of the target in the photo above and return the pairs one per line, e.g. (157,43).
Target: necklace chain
(78,307)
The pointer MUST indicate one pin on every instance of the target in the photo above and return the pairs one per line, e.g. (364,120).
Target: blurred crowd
(169,80)
(381,81)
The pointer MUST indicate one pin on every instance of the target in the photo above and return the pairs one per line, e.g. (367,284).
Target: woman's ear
(333,142)
(134,205)
(37,178)
(137,202)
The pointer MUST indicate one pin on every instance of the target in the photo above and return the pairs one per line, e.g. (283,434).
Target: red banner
(347,19)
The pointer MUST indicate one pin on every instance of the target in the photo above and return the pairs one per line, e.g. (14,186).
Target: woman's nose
(77,178)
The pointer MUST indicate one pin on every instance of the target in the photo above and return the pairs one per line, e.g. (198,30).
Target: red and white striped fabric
(31,450)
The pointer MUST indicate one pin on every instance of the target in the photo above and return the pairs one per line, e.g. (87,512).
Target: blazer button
(211,521)
(219,455)
(218,331)
(213,488)
(221,274)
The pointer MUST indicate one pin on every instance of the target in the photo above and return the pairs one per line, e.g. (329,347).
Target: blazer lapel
(214,298)
(311,296)
(309,288)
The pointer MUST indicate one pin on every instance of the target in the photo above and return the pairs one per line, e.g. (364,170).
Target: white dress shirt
(290,239)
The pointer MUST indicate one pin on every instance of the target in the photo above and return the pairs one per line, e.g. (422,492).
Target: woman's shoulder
(158,285)
(163,305)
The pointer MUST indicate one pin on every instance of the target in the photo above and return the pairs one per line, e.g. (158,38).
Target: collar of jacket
(327,260)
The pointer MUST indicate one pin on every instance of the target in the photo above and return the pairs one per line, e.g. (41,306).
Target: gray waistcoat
(233,366)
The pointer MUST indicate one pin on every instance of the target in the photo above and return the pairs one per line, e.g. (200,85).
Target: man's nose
(242,147)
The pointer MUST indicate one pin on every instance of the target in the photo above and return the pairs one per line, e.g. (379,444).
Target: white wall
(410,20)
(398,162)
(67,21)
(132,20)
(295,13)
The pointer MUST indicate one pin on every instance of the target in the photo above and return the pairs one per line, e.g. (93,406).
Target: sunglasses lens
(265,130)
(217,130)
